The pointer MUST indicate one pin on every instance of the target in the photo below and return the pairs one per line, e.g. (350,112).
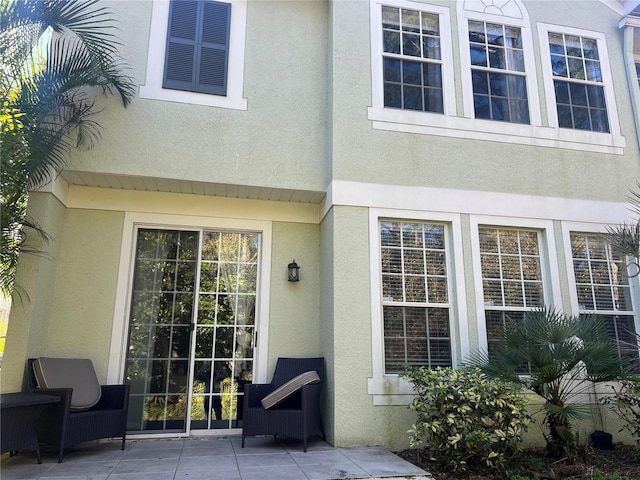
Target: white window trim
(614,138)
(529,64)
(152,89)
(377,111)
(548,264)
(391,389)
(579,227)
(456,124)
(120,328)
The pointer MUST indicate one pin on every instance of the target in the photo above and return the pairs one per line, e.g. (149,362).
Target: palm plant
(55,56)
(624,238)
(564,355)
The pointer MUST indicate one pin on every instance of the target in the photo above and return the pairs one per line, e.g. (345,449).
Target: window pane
(411,45)
(391,18)
(391,41)
(416,84)
(579,105)
(409,330)
(430,24)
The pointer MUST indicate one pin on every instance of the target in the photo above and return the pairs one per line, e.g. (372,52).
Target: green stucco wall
(294,319)
(36,276)
(69,312)
(82,312)
(363,154)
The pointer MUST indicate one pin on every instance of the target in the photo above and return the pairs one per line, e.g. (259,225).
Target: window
(189,37)
(412,60)
(198,46)
(638,72)
(415,295)
(511,277)
(497,72)
(602,287)
(578,83)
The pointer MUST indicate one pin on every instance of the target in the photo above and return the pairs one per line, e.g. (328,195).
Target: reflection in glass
(163,319)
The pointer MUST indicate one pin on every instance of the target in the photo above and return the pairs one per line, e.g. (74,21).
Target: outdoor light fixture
(294,270)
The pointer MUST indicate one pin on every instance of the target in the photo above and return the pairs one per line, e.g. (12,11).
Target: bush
(626,405)
(464,416)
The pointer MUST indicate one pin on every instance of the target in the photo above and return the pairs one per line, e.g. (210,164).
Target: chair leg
(242,441)
(124,437)
(60,454)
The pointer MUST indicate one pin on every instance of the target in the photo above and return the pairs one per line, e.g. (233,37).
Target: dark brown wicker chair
(298,416)
(61,427)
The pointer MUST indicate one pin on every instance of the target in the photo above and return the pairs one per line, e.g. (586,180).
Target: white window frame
(152,89)
(493,126)
(614,137)
(548,263)
(634,281)
(378,110)
(119,333)
(462,124)
(391,389)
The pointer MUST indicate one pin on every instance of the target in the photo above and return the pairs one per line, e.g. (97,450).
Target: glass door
(191,329)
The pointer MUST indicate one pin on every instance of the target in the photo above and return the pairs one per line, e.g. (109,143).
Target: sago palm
(54,54)
(558,357)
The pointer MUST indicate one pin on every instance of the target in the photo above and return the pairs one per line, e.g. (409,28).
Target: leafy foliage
(465,416)
(565,355)
(625,403)
(53,56)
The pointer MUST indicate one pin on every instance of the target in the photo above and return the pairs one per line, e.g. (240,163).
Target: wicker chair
(60,426)
(298,416)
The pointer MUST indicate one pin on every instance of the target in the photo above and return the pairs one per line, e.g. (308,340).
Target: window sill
(159,93)
(471,128)
(390,390)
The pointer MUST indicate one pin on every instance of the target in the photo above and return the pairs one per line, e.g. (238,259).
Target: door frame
(119,333)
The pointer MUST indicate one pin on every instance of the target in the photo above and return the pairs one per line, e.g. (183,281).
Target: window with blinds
(197,54)
(415,295)
(602,287)
(511,277)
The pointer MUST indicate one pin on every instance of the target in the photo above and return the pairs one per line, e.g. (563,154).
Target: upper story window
(578,82)
(198,46)
(415,295)
(579,85)
(412,61)
(498,72)
(638,72)
(202,45)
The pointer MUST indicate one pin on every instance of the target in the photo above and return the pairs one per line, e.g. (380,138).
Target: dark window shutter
(198,46)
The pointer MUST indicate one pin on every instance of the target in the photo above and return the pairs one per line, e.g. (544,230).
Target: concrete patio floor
(210,458)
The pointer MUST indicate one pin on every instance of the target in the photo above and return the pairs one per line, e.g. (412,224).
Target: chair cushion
(76,373)
(289,388)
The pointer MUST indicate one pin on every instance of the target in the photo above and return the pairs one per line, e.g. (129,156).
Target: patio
(263,458)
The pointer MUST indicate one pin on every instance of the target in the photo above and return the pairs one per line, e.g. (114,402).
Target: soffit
(151,184)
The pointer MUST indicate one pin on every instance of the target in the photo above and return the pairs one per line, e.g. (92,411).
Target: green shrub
(465,416)
(626,405)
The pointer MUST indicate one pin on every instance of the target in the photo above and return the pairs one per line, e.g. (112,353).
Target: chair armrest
(255,392)
(113,397)
(311,396)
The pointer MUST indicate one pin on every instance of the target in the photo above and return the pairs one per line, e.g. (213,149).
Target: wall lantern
(294,272)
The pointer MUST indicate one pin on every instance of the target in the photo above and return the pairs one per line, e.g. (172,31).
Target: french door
(191,328)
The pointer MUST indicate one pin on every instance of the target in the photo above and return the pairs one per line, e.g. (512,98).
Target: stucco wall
(29,316)
(363,154)
(294,324)
(279,141)
(82,312)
